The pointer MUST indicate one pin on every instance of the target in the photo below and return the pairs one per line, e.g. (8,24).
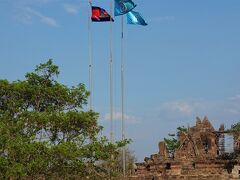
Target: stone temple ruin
(201,155)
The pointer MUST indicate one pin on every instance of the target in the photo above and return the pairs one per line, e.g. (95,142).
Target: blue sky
(184,64)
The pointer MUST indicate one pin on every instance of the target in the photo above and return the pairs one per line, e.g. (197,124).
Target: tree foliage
(182,129)
(235,128)
(173,143)
(45,132)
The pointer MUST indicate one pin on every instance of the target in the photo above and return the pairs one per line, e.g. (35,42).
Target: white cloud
(232,105)
(24,17)
(117,116)
(28,14)
(24,11)
(184,111)
(186,107)
(235,98)
(32,2)
(180,107)
(71,8)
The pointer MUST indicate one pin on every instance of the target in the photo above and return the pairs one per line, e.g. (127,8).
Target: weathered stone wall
(236,172)
(178,170)
(184,177)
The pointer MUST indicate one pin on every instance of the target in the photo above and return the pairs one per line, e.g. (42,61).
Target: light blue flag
(134,17)
(123,6)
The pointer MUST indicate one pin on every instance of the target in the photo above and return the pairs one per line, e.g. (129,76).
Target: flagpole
(110,76)
(122,93)
(90,56)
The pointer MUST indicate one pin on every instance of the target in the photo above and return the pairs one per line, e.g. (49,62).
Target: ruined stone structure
(237,141)
(197,157)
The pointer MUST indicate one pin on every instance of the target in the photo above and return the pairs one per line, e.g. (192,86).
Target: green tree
(173,143)
(45,132)
(235,128)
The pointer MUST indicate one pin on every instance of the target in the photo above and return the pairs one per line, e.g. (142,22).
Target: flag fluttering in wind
(123,6)
(134,17)
(100,15)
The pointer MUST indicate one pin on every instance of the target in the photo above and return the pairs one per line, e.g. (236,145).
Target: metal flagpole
(110,76)
(90,55)
(122,92)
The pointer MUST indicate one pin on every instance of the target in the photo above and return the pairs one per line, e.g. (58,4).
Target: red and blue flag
(100,15)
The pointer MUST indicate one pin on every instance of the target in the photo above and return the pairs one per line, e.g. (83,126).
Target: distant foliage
(235,127)
(129,158)
(45,132)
